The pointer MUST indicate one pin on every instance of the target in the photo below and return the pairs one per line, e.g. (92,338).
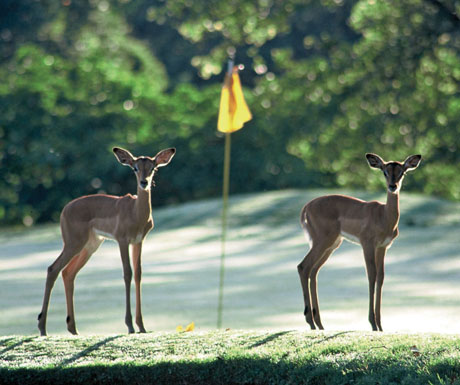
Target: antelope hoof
(311,323)
(71,326)
(309,318)
(41,326)
(140,325)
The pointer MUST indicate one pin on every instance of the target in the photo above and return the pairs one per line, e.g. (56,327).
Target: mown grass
(181,264)
(265,243)
(233,357)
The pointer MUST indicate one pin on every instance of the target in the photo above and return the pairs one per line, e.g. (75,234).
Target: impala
(88,220)
(374,225)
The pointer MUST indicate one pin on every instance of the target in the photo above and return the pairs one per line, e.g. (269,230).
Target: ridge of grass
(233,357)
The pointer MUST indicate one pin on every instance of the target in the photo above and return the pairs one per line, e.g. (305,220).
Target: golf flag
(233,113)
(233,110)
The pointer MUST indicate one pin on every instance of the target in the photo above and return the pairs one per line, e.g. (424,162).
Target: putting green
(181,258)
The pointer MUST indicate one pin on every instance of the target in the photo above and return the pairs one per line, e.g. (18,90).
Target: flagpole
(233,113)
(225,192)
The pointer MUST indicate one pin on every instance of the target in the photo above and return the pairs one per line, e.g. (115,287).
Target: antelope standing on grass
(87,221)
(374,225)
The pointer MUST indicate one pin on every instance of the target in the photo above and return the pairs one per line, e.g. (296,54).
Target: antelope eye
(135,168)
(385,172)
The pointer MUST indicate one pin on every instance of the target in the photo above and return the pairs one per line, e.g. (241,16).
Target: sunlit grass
(233,356)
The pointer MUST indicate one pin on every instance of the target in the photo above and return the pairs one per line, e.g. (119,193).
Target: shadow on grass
(87,351)
(268,339)
(331,337)
(274,336)
(14,346)
(244,371)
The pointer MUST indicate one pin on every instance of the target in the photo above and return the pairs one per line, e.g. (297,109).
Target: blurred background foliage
(326,80)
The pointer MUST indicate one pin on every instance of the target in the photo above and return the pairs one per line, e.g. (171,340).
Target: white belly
(350,237)
(104,234)
(387,242)
(138,239)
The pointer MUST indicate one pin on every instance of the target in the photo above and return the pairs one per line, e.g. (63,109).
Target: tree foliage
(326,80)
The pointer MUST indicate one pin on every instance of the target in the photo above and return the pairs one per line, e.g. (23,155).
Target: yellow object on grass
(189,328)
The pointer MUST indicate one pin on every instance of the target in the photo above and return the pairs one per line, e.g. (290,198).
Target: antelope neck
(392,210)
(143,204)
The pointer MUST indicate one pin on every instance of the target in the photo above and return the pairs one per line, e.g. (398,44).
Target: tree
(326,80)
(66,101)
(395,91)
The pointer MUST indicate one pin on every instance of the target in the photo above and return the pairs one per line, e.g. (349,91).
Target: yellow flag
(233,110)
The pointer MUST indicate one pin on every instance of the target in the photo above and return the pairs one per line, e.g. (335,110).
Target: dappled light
(229,289)
(262,289)
(320,78)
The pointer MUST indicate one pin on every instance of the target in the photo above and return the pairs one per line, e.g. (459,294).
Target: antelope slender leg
(136,256)
(68,276)
(371,276)
(53,271)
(127,275)
(314,286)
(304,269)
(379,256)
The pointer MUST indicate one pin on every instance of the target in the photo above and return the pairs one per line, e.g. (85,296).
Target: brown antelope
(374,225)
(88,220)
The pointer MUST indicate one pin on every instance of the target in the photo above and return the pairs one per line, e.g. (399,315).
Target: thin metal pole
(225,189)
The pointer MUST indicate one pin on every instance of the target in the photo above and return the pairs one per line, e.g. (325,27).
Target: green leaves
(322,77)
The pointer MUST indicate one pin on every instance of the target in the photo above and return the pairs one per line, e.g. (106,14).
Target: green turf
(233,357)
(262,290)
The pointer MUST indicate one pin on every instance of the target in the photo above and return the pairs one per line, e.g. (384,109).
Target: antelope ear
(164,157)
(412,162)
(124,156)
(375,161)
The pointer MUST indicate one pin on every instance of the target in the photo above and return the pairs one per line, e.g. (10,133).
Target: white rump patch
(307,234)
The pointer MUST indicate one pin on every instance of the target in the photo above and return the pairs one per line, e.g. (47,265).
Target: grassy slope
(226,357)
(265,243)
(180,263)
